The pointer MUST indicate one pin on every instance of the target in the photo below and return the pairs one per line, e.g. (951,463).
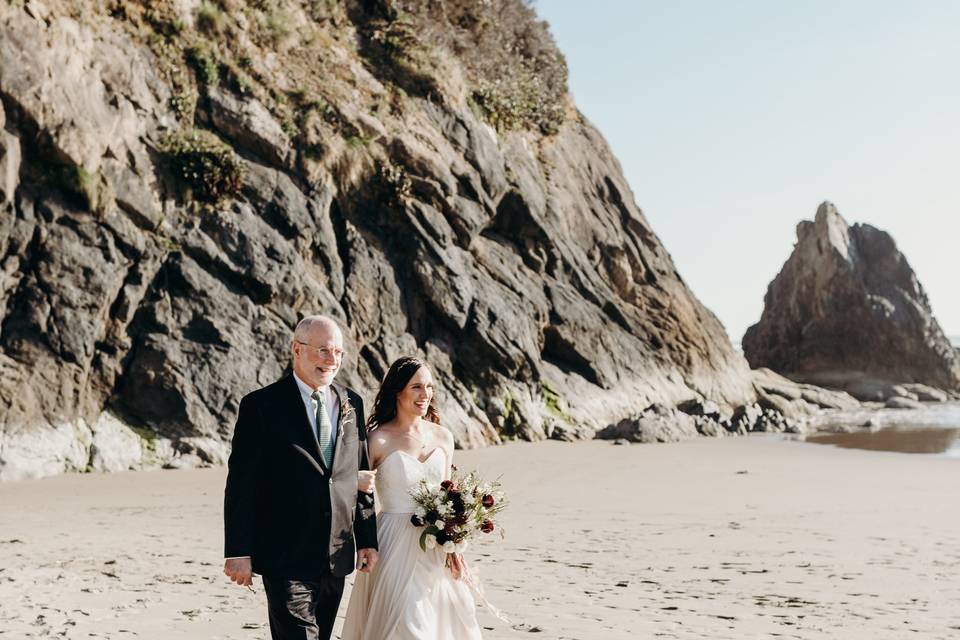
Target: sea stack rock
(847,310)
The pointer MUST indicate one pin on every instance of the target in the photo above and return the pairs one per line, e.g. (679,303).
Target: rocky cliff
(180,182)
(847,310)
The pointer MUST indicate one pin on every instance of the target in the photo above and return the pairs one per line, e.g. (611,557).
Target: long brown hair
(385,405)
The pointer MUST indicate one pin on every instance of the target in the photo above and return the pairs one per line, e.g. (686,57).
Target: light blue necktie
(324,427)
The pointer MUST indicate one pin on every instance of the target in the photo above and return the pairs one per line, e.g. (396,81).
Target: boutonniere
(348,412)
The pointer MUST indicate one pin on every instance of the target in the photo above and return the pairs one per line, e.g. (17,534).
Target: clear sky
(733,120)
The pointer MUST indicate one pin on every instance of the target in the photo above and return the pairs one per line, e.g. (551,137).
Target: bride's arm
(366,478)
(446,443)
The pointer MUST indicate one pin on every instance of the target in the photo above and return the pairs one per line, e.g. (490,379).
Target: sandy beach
(733,538)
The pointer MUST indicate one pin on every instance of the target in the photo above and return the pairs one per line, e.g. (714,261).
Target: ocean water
(933,430)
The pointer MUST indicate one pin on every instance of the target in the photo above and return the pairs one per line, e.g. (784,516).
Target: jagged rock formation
(796,400)
(658,423)
(847,310)
(152,274)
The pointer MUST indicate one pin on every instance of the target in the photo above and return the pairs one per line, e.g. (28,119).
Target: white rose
(449,546)
(439,524)
(420,512)
(430,542)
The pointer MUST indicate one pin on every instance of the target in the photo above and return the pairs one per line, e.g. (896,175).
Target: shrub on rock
(204,163)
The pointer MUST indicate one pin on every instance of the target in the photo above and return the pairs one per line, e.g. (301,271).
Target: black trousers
(302,610)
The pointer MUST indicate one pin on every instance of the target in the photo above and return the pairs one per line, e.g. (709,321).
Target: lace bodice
(400,472)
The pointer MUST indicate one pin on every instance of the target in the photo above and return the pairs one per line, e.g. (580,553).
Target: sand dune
(732,538)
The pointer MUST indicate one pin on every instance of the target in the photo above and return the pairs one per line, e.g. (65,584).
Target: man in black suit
(292,511)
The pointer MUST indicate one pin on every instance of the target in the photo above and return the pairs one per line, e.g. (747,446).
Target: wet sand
(733,538)
(929,440)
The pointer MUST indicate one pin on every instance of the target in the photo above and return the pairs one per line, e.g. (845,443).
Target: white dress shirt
(310,405)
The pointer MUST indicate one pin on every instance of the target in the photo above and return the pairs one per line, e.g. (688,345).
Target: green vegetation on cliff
(204,163)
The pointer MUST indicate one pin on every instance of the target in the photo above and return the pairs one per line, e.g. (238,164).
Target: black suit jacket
(283,507)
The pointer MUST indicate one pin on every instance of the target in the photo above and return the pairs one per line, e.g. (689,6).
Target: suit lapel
(346,419)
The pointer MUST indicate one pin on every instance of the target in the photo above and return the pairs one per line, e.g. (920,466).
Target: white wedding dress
(409,594)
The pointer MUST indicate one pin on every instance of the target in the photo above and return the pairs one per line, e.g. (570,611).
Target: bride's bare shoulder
(443,437)
(380,439)
(379,435)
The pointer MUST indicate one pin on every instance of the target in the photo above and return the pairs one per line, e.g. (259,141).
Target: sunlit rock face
(140,301)
(847,310)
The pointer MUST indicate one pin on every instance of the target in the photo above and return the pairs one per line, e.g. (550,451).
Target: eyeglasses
(324,352)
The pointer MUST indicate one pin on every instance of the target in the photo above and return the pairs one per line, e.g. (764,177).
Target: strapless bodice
(400,472)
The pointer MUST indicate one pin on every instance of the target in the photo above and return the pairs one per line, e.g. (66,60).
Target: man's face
(317,359)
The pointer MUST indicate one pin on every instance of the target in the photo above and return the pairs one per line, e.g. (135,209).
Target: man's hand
(365,481)
(366,559)
(240,570)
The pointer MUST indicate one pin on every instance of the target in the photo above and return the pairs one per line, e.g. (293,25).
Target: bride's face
(416,396)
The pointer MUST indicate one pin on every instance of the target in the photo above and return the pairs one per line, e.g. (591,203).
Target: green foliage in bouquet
(457,510)
(431,530)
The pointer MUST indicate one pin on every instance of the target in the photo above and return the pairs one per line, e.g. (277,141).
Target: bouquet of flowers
(457,510)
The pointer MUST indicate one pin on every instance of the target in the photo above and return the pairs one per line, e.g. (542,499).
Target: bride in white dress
(409,594)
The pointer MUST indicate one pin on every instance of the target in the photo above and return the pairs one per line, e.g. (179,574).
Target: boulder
(656,424)
(847,307)
(926,393)
(249,125)
(902,403)
(794,399)
(701,408)
(114,446)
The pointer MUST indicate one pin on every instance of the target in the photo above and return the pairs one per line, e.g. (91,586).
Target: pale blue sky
(733,120)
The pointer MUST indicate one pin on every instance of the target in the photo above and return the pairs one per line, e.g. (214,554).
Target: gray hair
(309,323)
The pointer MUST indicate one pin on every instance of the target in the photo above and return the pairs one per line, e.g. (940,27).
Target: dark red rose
(487,526)
(416,521)
(442,536)
(446,485)
(487,501)
(432,516)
